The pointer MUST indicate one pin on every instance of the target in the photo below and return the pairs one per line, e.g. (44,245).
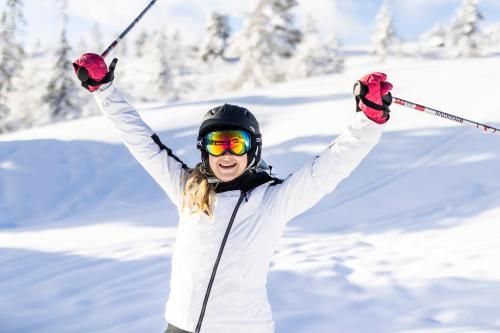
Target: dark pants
(173,329)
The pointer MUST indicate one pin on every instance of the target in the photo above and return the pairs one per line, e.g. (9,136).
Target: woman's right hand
(92,71)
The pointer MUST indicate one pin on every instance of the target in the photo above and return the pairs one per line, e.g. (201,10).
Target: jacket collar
(249,180)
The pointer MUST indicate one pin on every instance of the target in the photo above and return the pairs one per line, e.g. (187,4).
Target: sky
(351,20)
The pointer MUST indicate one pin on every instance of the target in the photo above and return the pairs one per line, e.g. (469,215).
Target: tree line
(39,87)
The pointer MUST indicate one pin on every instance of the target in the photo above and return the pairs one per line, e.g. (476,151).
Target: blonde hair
(199,194)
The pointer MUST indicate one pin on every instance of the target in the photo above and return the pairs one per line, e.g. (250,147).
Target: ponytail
(199,194)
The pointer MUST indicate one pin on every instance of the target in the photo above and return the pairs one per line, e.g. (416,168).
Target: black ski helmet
(229,116)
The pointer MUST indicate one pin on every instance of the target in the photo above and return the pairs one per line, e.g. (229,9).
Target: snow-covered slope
(409,243)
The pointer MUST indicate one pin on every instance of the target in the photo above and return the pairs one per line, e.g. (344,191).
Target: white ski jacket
(238,300)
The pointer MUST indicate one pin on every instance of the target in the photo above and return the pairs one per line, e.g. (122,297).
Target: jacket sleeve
(304,188)
(165,168)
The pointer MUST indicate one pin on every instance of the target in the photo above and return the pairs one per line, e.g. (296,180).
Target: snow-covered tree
(83,47)
(11,49)
(464,36)
(37,49)
(171,61)
(4,114)
(96,39)
(62,94)
(335,61)
(165,77)
(385,35)
(315,57)
(435,38)
(140,42)
(268,41)
(461,38)
(12,53)
(122,48)
(492,37)
(218,31)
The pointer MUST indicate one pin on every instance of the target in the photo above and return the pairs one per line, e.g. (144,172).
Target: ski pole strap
(87,81)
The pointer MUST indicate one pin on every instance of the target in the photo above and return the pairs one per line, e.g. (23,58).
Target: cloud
(349,20)
(191,15)
(114,14)
(420,8)
(353,21)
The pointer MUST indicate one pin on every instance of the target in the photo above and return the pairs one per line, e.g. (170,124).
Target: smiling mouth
(228,166)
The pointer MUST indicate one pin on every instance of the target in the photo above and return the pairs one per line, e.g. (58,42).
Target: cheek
(243,161)
(212,162)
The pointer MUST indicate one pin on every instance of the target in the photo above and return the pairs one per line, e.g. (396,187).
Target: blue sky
(353,20)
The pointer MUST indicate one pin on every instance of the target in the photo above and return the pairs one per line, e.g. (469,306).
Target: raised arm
(158,160)
(318,177)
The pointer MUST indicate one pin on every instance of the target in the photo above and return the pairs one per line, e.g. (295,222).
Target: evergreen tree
(140,42)
(96,39)
(172,63)
(463,37)
(218,31)
(4,114)
(269,39)
(62,94)
(385,35)
(83,47)
(335,61)
(12,53)
(313,57)
(492,36)
(165,78)
(435,38)
(122,48)
(11,49)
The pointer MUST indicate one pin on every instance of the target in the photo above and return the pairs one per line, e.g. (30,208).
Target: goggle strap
(258,139)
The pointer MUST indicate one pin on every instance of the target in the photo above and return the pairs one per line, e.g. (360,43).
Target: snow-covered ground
(409,243)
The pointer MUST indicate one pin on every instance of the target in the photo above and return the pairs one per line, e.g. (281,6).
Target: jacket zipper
(216,265)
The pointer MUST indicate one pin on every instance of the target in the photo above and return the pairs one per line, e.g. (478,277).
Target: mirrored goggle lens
(238,142)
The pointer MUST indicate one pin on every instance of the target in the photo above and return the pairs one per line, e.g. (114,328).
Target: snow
(409,243)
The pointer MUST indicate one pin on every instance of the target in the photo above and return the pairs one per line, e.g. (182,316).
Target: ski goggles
(217,143)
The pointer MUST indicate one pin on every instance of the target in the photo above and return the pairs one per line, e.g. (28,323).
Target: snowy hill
(409,243)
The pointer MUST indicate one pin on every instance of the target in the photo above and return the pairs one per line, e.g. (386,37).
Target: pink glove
(373,97)
(91,69)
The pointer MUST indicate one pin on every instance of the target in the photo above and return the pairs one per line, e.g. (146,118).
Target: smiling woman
(232,211)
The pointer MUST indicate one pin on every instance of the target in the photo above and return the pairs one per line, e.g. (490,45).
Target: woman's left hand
(92,71)
(369,92)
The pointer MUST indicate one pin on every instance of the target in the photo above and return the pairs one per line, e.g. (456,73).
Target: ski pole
(360,90)
(418,107)
(124,33)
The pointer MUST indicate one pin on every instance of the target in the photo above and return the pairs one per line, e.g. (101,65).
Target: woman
(232,211)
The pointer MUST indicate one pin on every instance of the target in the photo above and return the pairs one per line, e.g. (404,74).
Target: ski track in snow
(407,244)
